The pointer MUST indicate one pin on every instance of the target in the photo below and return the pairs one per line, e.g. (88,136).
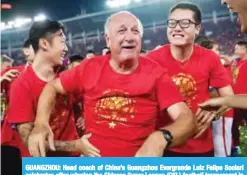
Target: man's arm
(81,145)
(42,130)
(24,130)
(235,101)
(182,128)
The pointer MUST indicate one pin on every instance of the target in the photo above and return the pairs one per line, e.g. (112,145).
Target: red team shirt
(193,78)
(25,92)
(120,110)
(8,135)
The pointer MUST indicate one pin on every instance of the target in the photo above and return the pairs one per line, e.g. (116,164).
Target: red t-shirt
(25,92)
(120,110)
(193,78)
(239,72)
(8,135)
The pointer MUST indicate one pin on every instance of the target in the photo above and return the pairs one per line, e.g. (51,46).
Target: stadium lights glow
(39,17)
(19,22)
(119,3)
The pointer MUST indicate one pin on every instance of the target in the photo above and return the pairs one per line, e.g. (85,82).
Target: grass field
(243,141)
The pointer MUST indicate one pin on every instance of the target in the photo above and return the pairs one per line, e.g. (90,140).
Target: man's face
(181,36)
(90,55)
(240,51)
(29,53)
(5,64)
(124,37)
(57,48)
(239,6)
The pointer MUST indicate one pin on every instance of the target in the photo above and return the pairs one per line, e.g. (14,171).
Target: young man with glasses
(193,69)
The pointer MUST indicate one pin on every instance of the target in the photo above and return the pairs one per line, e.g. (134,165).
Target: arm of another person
(235,101)
(80,145)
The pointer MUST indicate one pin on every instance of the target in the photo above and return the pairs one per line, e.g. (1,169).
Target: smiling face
(124,37)
(57,48)
(180,35)
(239,6)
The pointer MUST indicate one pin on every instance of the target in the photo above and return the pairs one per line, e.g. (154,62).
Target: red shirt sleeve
(218,74)
(72,79)
(167,92)
(21,108)
(156,55)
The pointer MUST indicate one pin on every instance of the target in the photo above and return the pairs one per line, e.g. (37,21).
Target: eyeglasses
(183,23)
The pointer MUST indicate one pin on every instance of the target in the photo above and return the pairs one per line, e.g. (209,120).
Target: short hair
(242,43)
(43,29)
(189,6)
(108,52)
(105,48)
(143,51)
(205,42)
(5,58)
(108,21)
(75,58)
(27,43)
(90,51)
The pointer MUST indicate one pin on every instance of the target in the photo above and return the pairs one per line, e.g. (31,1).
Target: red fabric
(240,86)
(8,135)
(25,92)
(193,77)
(120,110)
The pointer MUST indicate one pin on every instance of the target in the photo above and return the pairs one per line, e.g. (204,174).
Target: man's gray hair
(108,21)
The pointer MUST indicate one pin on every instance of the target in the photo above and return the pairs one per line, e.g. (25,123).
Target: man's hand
(213,103)
(153,146)
(86,148)
(80,123)
(10,75)
(37,140)
(204,119)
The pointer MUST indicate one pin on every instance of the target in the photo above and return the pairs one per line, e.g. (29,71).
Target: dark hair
(143,51)
(242,43)
(43,29)
(106,48)
(189,6)
(205,42)
(90,51)
(108,52)
(75,58)
(27,43)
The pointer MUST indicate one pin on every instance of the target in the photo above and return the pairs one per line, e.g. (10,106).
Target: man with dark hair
(193,69)
(75,60)
(48,41)
(90,54)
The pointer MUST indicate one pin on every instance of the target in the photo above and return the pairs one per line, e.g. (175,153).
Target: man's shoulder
(152,66)
(95,61)
(24,80)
